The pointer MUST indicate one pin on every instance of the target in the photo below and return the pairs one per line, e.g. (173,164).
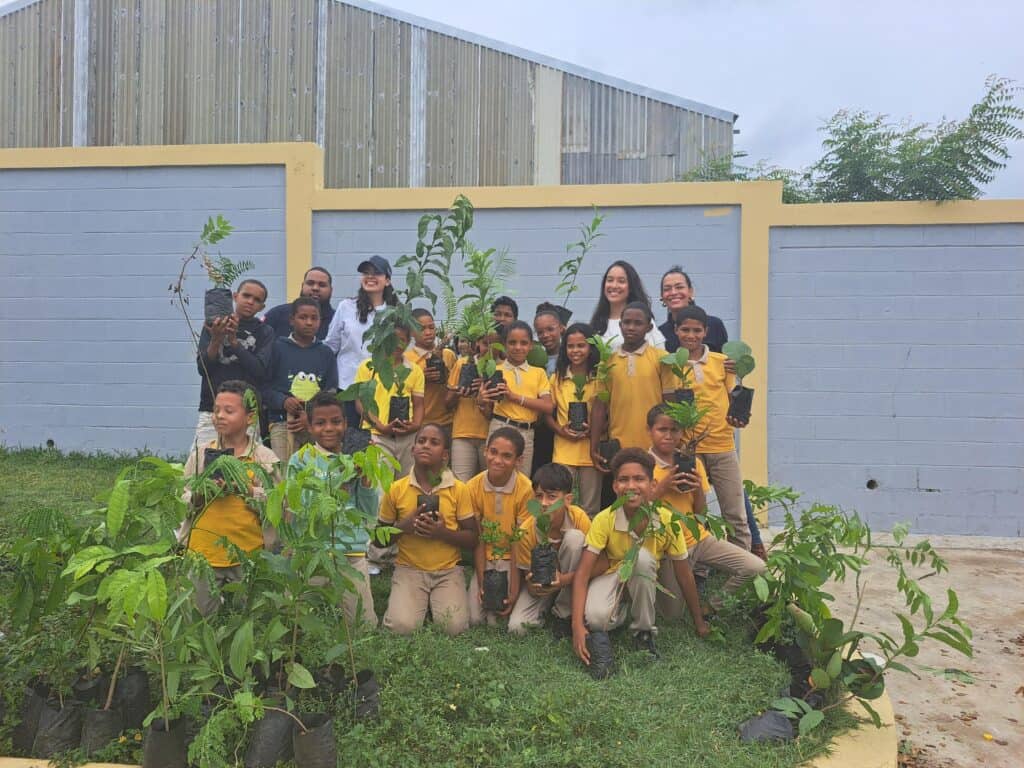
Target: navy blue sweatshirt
(248,360)
(297,372)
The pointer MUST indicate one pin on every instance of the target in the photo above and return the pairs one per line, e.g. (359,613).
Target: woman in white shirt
(621,285)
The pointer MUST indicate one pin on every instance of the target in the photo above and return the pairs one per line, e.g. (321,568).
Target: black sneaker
(644,641)
(602,663)
(560,628)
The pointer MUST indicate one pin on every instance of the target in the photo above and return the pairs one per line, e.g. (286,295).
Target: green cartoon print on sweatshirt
(304,386)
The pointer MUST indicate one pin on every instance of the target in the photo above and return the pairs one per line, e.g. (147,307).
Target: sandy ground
(961,711)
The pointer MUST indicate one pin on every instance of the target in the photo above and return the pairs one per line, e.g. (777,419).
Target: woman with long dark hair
(620,285)
(677,292)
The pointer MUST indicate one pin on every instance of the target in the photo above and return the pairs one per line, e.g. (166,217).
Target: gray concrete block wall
(652,239)
(93,355)
(896,359)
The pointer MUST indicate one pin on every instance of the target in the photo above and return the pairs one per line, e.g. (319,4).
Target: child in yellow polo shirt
(427,572)
(598,601)
(498,496)
(684,493)
(552,487)
(227,514)
(396,435)
(469,424)
(636,383)
(711,384)
(435,364)
(525,394)
(577,359)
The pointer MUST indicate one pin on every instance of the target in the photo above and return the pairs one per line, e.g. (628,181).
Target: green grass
(485,699)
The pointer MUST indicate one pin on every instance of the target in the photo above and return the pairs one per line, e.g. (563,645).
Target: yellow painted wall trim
(280,153)
(900,214)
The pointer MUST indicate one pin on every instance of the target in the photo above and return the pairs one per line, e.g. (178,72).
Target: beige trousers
(529,610)
(358,605)
(399,446)
(467,457)
(526,466)
(209,602)
(724,469)
(607,598)
(477,614)
(719,555)
(587,481)
(284,443)
(414,591)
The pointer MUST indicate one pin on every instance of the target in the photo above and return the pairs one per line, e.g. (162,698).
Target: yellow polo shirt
(571,453)
(433,394)
(415,551)
(574,517)
(609,533)
(505,506)
(468,422)
(637,382)
(522,381)
(711,386)
(679,501)
(413,386)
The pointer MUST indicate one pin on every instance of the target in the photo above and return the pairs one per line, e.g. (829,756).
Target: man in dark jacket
(316,284)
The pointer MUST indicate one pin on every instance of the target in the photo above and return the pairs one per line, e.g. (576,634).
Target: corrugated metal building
(394,99)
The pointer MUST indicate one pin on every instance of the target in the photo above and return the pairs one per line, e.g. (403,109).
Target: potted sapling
(605,356)
(431,502)
(222,271)
(495,583)
(569,270)
(740,398)
(678,363)
(578,415)
(688,415)
(399,405)
(487,271)
(543,557)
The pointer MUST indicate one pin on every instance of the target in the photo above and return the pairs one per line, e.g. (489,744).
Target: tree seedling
(741,397)
(543,557)
(678,363)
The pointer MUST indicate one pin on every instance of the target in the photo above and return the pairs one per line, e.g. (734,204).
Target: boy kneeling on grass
(327,426)
(567,531)
(229,513)
(435,519)
(599,602)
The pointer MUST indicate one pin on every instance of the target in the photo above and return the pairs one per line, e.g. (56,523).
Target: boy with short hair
(505,310)
(397,435)
(469,424)
(227,515)
(684,493)
(236,347)
(498,496)
(422,352)
(569,525)
(327,427)
(300,367)
(717,449)
(598,601)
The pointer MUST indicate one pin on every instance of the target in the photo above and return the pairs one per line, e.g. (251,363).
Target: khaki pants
(399,446)
(588,481)
(607,597)
(526,465)
(467,458)
(719,555)
(477,614)
(414,591)
(529,610)
(284,443)
(208,602)
(724,469)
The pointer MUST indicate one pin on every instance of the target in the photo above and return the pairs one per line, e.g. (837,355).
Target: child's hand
(579,643)
(293,405)
(432,375)
(570,434)
(218,327)
(600,463)
(539,590)
(736,422)
(425,525)
(399,427)
(297,422)
(686,481)
(730,366)
(667,484)
(507,610)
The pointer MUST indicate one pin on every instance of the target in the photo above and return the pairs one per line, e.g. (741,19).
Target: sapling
(398,408)
(688,415)
(569,269)
(578,414)
(741,397)
(222,271)
(605,362)
(678,363)
(495,583)
(543,557)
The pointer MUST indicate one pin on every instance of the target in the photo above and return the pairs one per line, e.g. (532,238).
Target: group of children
(467,474)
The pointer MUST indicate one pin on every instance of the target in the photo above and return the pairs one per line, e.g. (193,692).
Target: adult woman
(676,293)
(620,285)
(353,318)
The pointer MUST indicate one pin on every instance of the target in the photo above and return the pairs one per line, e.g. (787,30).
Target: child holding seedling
(555,529)
(524,393)
(469,424)
(394,433)
(636,383)
(225,503)
(711,384)
(637,537)
(327,426)
(300,367)
(498,496)
(435,364)
(683,491)
(435,521)
(573,389)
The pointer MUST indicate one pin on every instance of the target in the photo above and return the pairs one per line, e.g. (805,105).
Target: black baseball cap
(377,264)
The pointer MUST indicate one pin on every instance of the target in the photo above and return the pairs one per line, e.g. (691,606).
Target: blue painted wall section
(94,355)
(896,358)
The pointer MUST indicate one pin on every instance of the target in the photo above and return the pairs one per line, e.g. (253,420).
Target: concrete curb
(863,746)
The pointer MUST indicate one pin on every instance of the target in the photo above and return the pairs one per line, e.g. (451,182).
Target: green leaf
(835,665)
(821,679)
(241,650)
(810,721)
(875,718)
(117,507)
(156,595)
(299,676)
(761,588)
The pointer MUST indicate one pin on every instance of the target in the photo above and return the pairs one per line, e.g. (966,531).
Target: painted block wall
(705,241)
(93,355)
(896,361)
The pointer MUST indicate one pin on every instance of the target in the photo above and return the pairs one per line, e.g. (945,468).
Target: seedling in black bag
(398,407)
(543,558)
(210,455)
(578,414)
(677,362)
(740,398)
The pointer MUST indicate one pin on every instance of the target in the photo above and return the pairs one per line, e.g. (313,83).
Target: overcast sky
(783,65)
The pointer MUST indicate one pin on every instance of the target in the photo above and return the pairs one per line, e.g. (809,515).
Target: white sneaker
(373,570)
